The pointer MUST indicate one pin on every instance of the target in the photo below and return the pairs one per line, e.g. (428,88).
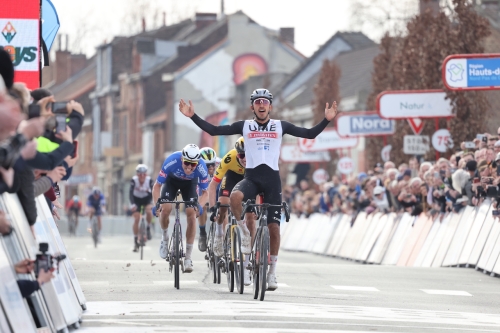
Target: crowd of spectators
(470,176)
(37,150)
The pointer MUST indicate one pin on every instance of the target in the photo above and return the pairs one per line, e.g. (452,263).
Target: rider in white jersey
(140,195)
(263,138)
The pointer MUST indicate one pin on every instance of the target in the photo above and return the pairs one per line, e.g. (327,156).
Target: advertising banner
(20,37)
(404,104)
(292,153)
(329,139)
(471,72)
(360,124)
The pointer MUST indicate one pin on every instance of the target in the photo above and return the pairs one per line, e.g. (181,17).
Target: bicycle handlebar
(251,203)
(215,208)
(162,201)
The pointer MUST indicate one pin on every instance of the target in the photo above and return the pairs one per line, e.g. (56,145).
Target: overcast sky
(91,22)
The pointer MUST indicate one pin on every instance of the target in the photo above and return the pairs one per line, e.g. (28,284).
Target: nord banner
(359,124)
(20,37)
(403,104)
(471,72)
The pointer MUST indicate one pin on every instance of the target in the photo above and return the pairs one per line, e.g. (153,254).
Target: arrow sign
(416,124)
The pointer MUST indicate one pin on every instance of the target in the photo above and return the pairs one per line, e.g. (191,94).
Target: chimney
(143,24)
(205,19)
(222,10)
(164,18)
(67,41)
(432,5)
(287,35)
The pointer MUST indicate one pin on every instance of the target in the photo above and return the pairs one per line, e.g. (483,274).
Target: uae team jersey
(262,141)
(172,167)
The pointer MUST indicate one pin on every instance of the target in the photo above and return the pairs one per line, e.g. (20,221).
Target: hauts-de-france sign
(404,104)
(471,72)
(20,37)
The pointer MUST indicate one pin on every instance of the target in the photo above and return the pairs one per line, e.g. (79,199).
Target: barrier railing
(59,303)
(468,239)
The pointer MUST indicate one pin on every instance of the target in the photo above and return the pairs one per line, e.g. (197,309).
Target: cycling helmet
(261,93)
(208,155)
(96,190)
(141,168)
(191,152)
(76,198)
(240,145)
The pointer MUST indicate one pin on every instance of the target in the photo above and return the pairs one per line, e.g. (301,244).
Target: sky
(92,22)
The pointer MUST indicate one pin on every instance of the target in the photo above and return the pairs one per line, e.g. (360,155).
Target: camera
(10,150)
(46,261)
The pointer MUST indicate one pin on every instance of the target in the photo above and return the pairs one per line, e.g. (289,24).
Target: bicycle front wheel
(177,254)
(238,260)
(264,252)
(142,236)
(95,232)
(228,260)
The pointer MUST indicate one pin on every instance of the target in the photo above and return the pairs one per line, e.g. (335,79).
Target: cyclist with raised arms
(229,173)
(263,137)
(184,171)
(210,157)
(140,196)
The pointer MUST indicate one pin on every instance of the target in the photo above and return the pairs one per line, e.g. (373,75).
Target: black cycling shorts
(187,188)
(140,202)
(228,183)
(265,180)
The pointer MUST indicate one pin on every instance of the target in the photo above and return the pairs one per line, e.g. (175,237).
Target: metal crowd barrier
(58,305)
(468,239)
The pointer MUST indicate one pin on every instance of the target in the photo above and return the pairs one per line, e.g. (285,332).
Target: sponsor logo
(23,49)
(225,192)
(263,135)
(9,32)
(203,181)
(368,124)
(162,174)
(203,171)
(456,72)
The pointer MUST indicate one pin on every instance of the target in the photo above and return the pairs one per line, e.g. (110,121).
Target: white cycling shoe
(272,283)
(219,245)
(246,247)
(164,249)
(188,265)
(246,277)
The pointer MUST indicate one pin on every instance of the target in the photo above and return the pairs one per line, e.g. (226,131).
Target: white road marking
(446,292)
(283,285)
(355,288)
(169,328)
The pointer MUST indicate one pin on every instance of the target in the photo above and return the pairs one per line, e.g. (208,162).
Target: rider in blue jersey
(96,203)
(184,171)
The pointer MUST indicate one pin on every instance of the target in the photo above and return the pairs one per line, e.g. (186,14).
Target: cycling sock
(189,250)
(202,230)
(164,234)
(247,261)
(272,267)
(218,230)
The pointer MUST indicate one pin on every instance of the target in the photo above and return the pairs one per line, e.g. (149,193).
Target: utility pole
(222,14)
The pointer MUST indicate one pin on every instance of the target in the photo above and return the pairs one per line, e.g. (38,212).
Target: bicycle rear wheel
(264,250)
(177,254)
(256,264)
(95,232)
(238,260)
(142,235)
(229,263)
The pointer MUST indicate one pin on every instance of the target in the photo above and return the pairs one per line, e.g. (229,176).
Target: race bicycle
(233,259)
(72,216)
(213,261)
(142,236)
(175,247)
(94,231)
(259,258)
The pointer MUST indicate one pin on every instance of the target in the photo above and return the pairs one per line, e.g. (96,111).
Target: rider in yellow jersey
(229,173)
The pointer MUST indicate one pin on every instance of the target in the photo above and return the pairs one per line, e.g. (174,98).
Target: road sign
(471,72)
(416,144)
(404,104)
(320,176)
(292,153)
(441,140)
(385,154)
(327,140)
(345,165)
(359,124)
(416,124)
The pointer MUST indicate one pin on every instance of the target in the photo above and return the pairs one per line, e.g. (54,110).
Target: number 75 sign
(442,141)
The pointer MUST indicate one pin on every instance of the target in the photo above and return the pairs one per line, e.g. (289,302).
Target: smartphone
(469,145)
(60,107)
(60,123)
(33,111)
(480,136)
(488,180)
(475,180)
(75,144)
(408,196)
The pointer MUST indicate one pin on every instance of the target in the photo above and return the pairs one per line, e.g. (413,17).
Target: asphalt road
(316,293)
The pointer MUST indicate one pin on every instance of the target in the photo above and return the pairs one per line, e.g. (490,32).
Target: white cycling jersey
(142,190)
(262,144)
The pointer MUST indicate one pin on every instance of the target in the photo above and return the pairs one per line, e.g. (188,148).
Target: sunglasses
(241,155)
(210,165)
(262,101)
(191,164)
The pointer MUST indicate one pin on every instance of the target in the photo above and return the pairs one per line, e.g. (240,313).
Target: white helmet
(141,168)
(208,155)
(191,152)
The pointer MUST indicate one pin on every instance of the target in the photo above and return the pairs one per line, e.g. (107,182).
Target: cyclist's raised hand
(331,112)
(186,109)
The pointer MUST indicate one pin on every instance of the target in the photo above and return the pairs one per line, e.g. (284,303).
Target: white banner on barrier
(477,225)
(446,241)
(427,243)
(460,237)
